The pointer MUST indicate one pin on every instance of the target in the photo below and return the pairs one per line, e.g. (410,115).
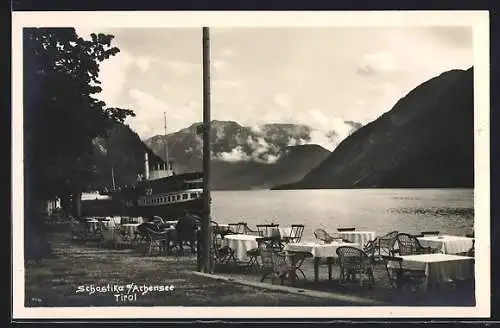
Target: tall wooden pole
(207,263)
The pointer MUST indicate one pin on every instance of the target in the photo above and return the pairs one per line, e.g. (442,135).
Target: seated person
(186,229)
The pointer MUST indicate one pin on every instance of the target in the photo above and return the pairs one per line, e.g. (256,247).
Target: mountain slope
(124,151)
(247,157)
(425,141)
(291,166)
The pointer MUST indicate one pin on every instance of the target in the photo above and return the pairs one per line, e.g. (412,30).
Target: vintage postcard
(251,165)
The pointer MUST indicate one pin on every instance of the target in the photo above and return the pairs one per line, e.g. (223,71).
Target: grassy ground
(55,281)
(382,291)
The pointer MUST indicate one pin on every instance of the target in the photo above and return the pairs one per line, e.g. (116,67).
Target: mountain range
(245,157)
(425,141)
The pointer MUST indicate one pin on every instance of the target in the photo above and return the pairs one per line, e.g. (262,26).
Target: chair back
(296,232)
(158,220)
(216,235)
(408,244)
(266,229)
(322,235)
(346,229)
(238,228)
(388,240)
(125,220)
(271,260)
(352,258)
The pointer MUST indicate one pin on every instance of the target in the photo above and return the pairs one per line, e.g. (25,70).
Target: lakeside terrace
(53,282)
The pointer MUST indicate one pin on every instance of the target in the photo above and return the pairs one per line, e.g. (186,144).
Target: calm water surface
(450,211)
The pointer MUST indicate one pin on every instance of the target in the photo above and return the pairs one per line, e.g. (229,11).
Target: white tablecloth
(439,268)
(358,237)
(130,229)
(240,244)
(92,225)
(171,223)
(316,249)
(447,244)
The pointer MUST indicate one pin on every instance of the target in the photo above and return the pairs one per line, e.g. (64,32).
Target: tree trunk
(76,200)
(66,204)
(36,245)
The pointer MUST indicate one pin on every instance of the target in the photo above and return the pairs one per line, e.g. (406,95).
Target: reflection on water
(465,212)
(450,211)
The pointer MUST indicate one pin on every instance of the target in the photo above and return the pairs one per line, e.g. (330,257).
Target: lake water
(450,211)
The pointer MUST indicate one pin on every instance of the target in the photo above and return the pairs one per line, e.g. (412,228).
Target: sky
(319,76)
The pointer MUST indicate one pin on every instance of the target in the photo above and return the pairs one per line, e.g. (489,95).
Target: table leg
(316,268)
(330,260)
(294,264)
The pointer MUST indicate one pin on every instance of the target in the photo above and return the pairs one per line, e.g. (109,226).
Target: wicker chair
(158,220)
(154,239)
(383,245)
(355,265)
(409,245)
(324,236)
(116,238)
(274,263)
(400,277)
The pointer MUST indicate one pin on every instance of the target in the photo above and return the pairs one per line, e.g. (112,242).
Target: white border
(478,20)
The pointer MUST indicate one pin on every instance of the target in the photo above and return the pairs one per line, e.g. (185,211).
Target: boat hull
(166,211)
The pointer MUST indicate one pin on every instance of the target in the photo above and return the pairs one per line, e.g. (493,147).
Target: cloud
(378,62)
(236,155)
(181,67)
(228,52)
(460,36)
(113,74)
(226,84)
(144,63)
(146,101)
(281,100)
(327,131)
(218,64)
(319,117)
(150,110)
(319,137)
(296,141)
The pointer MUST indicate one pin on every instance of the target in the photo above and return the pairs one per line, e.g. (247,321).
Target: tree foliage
(62,115)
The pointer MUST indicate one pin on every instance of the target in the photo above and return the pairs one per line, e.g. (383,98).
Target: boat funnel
(146,166)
